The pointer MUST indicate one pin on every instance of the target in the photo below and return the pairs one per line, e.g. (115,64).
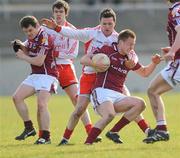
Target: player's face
(31,31)
(127,45)
(59,15)
(107,26)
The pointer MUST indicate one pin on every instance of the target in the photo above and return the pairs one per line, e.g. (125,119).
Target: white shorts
(42,82)
(171,73)
(101,95)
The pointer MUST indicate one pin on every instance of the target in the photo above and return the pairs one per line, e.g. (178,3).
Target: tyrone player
(107,96)
(169,77)
(42,81)
(66,50)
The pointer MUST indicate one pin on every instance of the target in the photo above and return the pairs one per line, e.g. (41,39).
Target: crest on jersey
(44,40)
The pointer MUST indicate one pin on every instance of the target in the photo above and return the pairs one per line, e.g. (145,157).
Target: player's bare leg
(141,122)
(107,112)
(72,91)
(80,108)
(44,117)
(157,87)
(23,92)
(132,106)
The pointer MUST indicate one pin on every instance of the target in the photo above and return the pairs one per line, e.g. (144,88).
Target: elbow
(39,63)
(145,75)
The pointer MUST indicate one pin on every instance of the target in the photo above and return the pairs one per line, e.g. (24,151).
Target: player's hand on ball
(156,59)
(100,66)
(101,62)
(50,23)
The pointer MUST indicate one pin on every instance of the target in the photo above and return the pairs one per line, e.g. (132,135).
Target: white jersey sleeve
(25,43)
(67,48)
(72,52)
(81,35)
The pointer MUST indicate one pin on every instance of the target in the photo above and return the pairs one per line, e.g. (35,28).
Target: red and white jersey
(65,49)
(115,76)
(93,38)
(173,22)
(42,44)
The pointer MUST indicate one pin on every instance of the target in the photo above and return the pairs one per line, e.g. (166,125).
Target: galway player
(94,38)
(169,77)
(107,96)
(42,81)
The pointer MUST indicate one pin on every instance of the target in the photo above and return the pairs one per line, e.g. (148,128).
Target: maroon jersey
(42,44)
(173,21)
(115,76)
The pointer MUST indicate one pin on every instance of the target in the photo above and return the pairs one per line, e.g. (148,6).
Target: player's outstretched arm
(145,71)
(77,34)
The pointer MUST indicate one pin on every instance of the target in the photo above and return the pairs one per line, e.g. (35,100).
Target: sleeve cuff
(58,28)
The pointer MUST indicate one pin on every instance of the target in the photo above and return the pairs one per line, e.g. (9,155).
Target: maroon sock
(45,134)
(28,125)
(143,125)
(161,127)
(120,124)
(40,133)
(94,133)
(67,133)
(88,128)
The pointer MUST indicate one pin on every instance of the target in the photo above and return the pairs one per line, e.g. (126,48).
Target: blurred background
(146,17)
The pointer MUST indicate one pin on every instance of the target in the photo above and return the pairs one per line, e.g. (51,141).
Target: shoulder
(175,10)
(107,49)
(68,24)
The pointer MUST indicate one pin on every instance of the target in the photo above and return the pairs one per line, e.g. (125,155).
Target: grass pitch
(60,108)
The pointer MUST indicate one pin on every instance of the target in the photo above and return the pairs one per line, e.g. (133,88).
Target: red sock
(143,125)
(161,127)
(120,124)
(92,135)
(67,133)
(88,128)
(40,133)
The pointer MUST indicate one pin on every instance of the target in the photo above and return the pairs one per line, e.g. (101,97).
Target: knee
(74,100)
(16,98)
(141,105)
(152,91)
(42,106)
(78,113)
(110,117)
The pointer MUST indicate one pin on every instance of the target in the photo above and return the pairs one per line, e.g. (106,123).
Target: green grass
(60,108)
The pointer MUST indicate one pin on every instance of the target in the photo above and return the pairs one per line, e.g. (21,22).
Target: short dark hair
(61,4)
(125,34)
(173,1)
(108,13)
(26,21)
